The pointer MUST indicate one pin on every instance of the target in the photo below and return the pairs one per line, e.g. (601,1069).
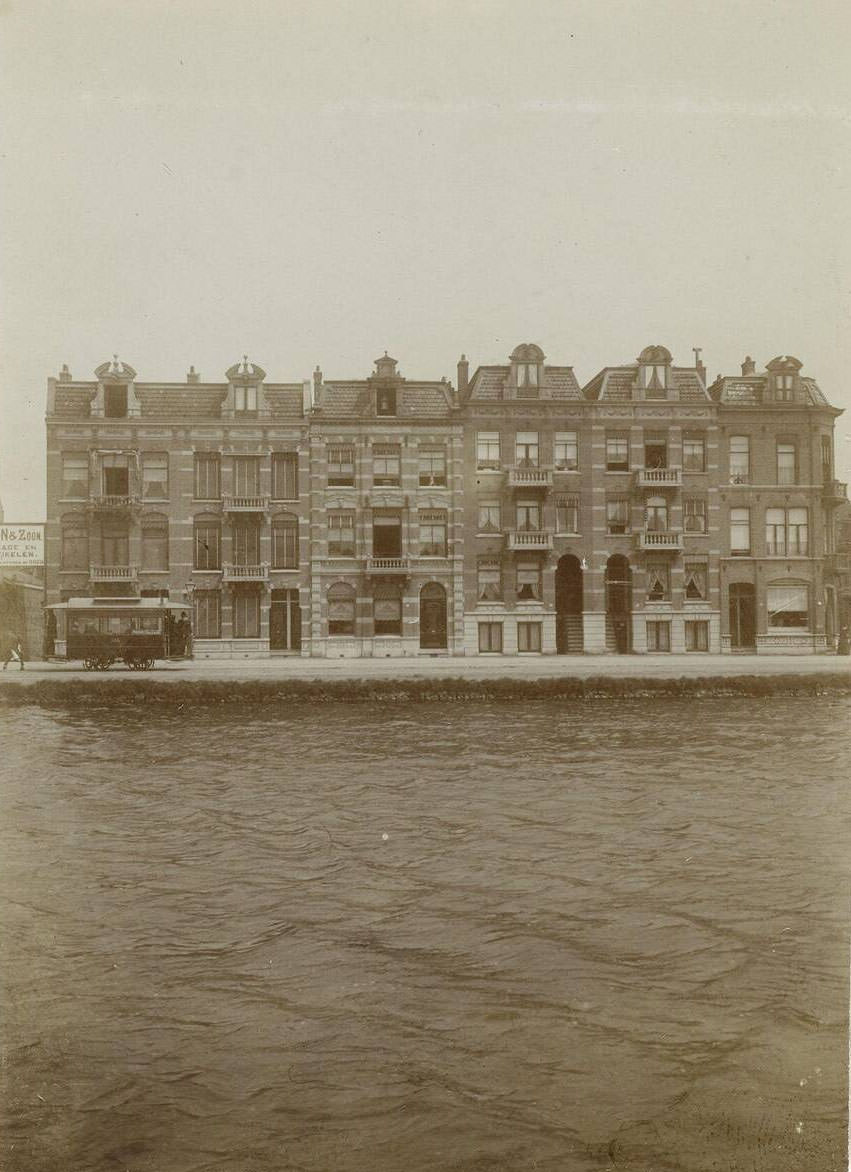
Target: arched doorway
(742,616)
(569,640)
(432,617)
(618,604)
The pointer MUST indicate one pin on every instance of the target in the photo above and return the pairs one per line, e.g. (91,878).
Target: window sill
(162,570)
(558,533)
(282,500)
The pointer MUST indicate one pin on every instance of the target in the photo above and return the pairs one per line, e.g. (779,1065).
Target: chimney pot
(463,374)
(748,366)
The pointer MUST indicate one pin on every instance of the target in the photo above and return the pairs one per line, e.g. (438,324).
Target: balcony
(245,504)
(111,503)
(659,540)
(526,539)
(659,478)
(835,492)
(522,477)
(237,572)
(378,565)
(113,573)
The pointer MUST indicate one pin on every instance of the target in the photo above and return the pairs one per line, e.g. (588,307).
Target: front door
(742,616)
(285,621)
(432,617)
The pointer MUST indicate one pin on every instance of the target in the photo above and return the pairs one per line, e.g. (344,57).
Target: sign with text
(21,545)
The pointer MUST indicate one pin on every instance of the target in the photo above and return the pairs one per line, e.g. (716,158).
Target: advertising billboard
(21,545)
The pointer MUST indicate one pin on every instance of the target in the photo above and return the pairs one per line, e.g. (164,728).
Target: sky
(187,181)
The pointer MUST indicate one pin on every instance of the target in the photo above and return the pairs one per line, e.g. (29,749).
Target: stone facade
(519,514)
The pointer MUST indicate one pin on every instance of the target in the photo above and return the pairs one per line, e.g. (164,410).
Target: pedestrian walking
(14,652)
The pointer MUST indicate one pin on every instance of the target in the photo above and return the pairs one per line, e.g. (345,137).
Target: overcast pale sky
(316,182)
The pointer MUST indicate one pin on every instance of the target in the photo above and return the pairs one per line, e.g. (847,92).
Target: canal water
(542,936)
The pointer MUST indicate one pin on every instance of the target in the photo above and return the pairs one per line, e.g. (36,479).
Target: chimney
(192,376)
(317,378)
(698,363)
(748,366)
(64,373)
(463,374)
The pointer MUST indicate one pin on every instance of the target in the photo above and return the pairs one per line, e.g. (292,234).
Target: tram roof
(118,604)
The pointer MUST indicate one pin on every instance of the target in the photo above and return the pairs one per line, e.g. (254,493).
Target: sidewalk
(478,668)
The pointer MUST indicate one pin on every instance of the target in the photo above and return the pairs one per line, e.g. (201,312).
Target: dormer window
(385,401)
(115,402)
(245,399)
(654,371)
(527,374)
(783,387)
(526,366)
(656,381)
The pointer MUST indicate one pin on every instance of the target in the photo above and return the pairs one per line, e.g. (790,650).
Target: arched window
(285,541)
(155,542)
(75,543)
(341,609)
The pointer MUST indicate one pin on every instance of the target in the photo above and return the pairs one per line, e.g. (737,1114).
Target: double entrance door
(285,621)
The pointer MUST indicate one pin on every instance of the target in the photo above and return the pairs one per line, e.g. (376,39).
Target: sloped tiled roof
(750,390)
(616,384)
(489,382)
(190,399)
(413,399)
(284,399)
(73,402)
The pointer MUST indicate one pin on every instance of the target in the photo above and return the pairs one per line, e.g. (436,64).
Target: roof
(617,384)
(489,382)
(413,399)
(749,390)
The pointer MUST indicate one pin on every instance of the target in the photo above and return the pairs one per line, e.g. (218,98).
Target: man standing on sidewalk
(15,651)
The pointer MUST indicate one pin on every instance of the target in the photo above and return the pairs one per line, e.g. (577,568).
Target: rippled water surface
(543,937)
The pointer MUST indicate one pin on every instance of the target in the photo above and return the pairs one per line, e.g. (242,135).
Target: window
(786,532)
(490,637)
(208,476)
(432,466)
(487,450)
(527,378)
(155,543)
(489,517)
(245,542)
(528,516)
(285,476)
(697,635)
(528,636)
(387,610)
(740,466)
(246,475)
(341,609)
(386,464)
(658,582)
(740,532)
(385,401)
(655,381)
(565,451)
(208,614)
(341,535)
(526,449)
(432,533)
(115,402)
(617,452)
(783,384)
(341,466)
(155,475)
(695,581)
(115,472)
(694,514)
(788,606)
(285,542)
(655,451)
(245,400)
(246,614)
(567,514)
(826,459)
(75,544)
(386,535)
(658,636)
(656,515)
(75,475)
(617,515)
(115,543)
(786,464)
(529,581)
(694,453)
(489,584)
(208,544)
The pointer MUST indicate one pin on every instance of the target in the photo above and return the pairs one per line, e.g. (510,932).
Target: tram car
(101,631)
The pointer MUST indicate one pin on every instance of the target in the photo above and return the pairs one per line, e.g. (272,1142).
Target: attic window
(527,380)
(783,384)
(385,401)
(115,402)
(245,399)
(656,381)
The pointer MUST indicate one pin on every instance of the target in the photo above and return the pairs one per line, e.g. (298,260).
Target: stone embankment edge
(142,694)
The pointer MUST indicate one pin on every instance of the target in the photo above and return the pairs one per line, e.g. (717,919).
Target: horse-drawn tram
(138,631)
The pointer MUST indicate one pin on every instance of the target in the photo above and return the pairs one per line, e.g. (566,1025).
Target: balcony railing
(522,477)
(245,504)
(664,539)
(238,572)
(659,477)
(112,503)
(113,573)
(835,490)
(378,565)
(530,539)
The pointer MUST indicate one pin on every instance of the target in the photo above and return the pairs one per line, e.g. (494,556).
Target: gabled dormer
(654,373)
(783,380)
(115,397)
(526,373)
(385,387)
(244,394)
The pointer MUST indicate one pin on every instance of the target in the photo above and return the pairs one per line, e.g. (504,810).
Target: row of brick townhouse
(515,513)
